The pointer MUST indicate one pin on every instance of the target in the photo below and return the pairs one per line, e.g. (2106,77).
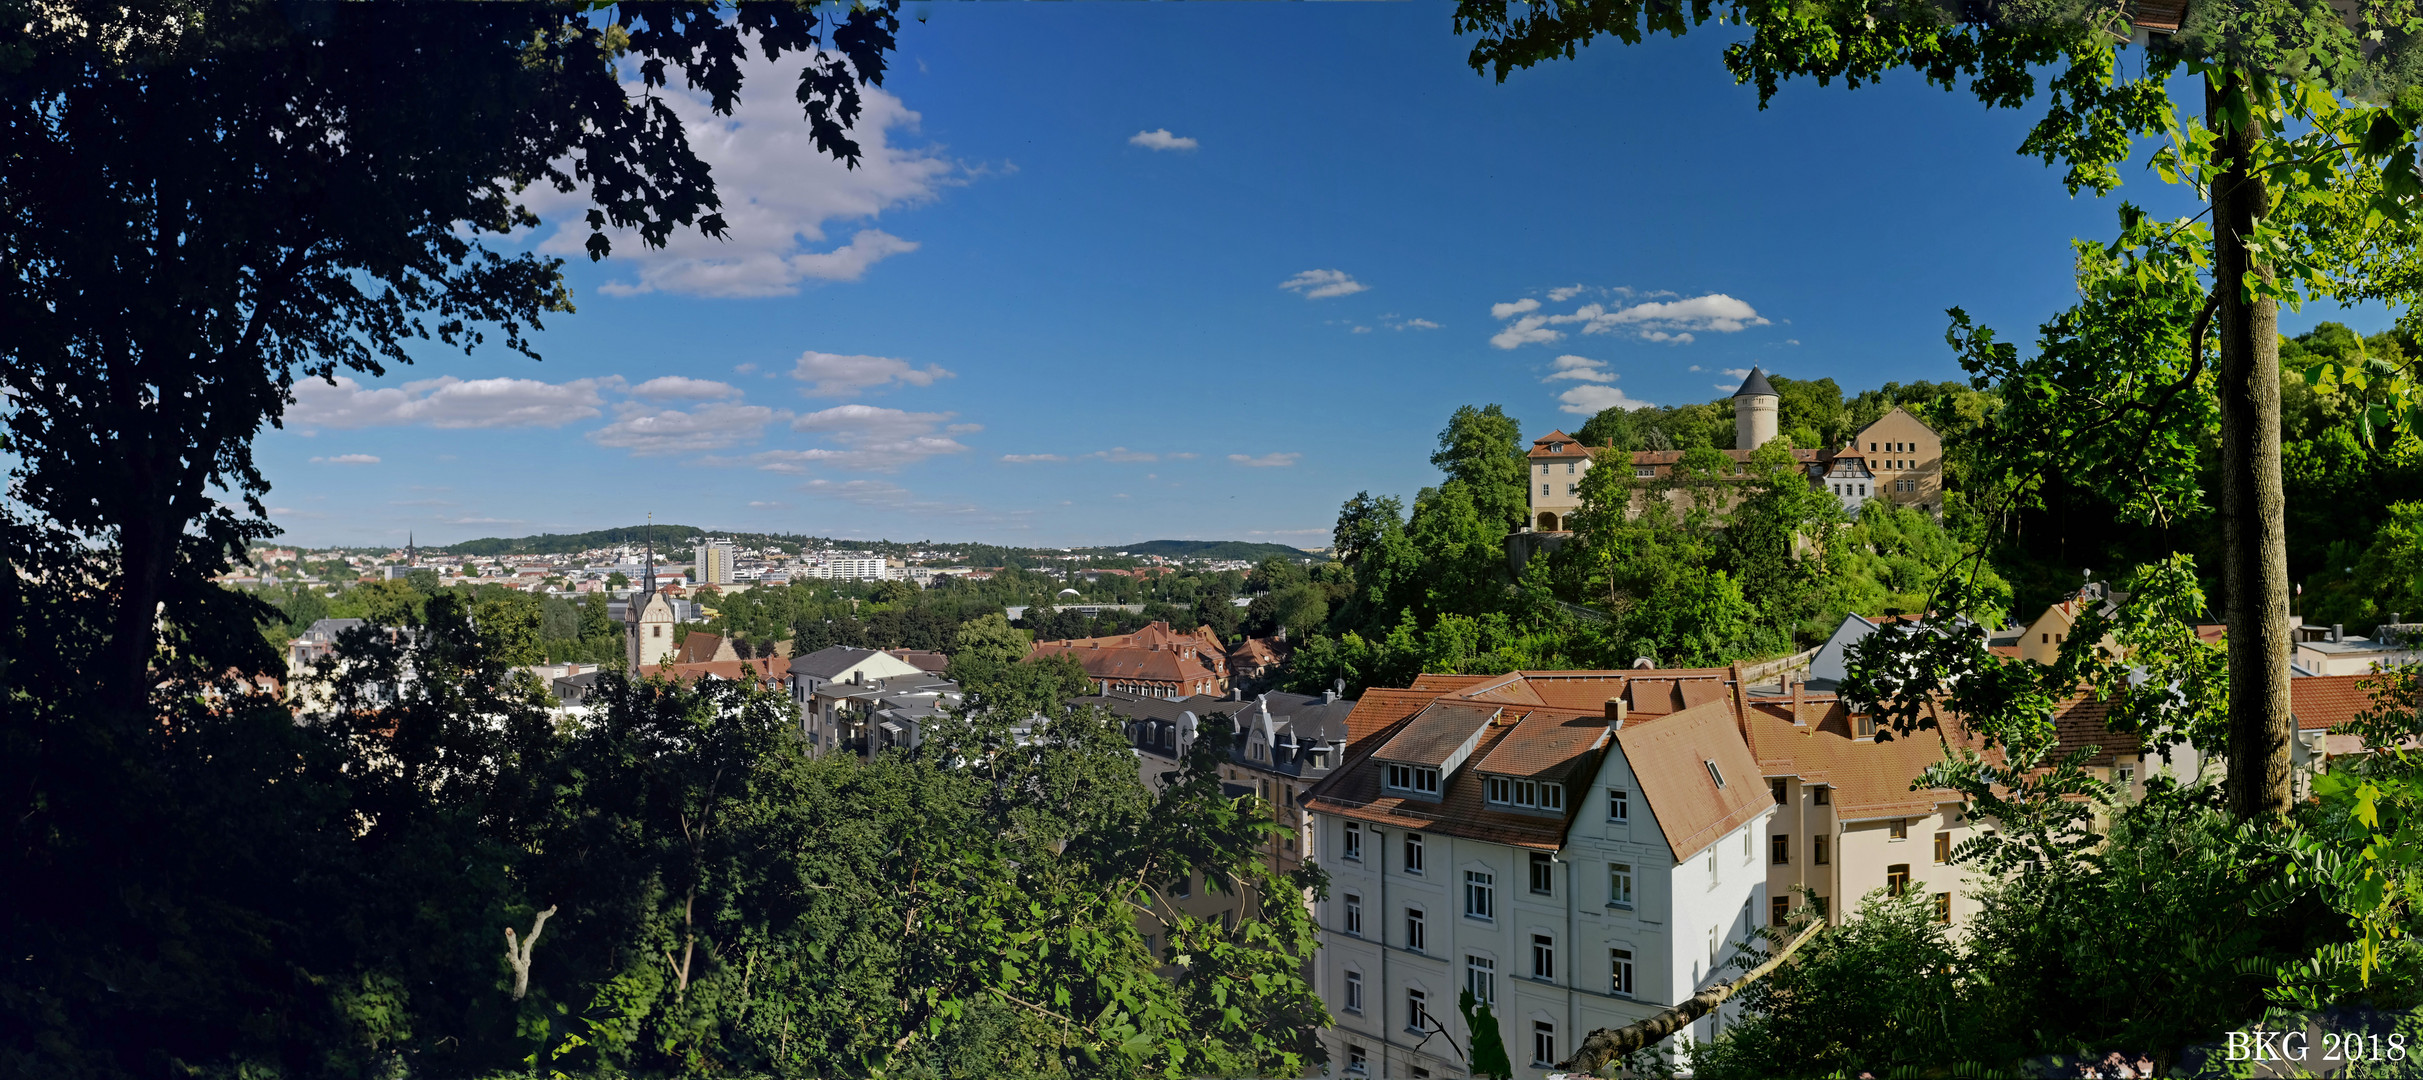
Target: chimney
(1329,697)
(1796,720)
(1617,709)
(2337,630)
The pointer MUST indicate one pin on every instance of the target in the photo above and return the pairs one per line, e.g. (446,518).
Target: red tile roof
(1378,710)
(1437,732)
(1669,759)
(1866,779)
(2327,701)
(1572,447)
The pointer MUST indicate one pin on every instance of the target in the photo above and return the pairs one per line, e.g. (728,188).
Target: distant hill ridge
(1247,551)
(677,539)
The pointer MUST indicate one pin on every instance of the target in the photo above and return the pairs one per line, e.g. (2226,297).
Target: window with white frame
(1619,965)
(1543,874)
(1619,885)
(1354,991)
(1354,914)
(1543,957)
(1418,779)
(1413,853)
(1481,977)
(1353,848)
(1358,1060)
(1527,794)
(1414,925)
(1480,894)
(1619,805)
(1543,1044)
(1417,1010)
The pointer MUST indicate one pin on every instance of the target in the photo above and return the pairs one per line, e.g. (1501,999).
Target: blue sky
(1031,320)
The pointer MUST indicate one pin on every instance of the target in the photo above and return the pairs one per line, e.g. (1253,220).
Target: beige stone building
(1898,458)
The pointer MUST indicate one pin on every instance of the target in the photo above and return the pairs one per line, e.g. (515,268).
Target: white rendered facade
(1677,933)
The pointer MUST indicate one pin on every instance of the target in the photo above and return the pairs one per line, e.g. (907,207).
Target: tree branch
(517,953)
(1607,1044)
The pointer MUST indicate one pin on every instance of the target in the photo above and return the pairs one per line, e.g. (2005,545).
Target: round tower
(1754,408)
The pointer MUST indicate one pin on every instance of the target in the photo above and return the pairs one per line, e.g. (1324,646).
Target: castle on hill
(1898,458)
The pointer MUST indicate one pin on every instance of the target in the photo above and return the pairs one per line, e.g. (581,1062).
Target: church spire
(650,573)
(412,552)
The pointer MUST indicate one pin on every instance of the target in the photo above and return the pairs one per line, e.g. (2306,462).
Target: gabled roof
(1867,779)
(1568,446)
(1670,761)
(829,662)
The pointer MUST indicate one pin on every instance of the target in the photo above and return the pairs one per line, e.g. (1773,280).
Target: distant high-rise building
(714,562)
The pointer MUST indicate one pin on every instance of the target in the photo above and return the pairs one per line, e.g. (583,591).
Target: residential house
(1848,820)
(2331,650)
(1530,839)
(1279,745)
(1255,659)
(1155,661)
(317,642)
(829,686)
(1831,665)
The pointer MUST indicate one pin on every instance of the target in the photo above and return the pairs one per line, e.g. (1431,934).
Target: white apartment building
(1536,838)
(848,568)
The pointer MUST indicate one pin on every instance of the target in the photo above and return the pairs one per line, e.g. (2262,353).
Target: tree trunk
(2254,563)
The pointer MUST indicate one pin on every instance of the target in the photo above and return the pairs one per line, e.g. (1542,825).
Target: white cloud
(1161,139)
(1580,368)
(872,439)
(713,426)
(1528,330)
(1791,341)
(683,388)
(347,459)
(1360,330)
(836,375)
(446,402)
(1121,453)
(1736,372)
(1029,459)
(1674,322)
(1588,400)
(1322,284)
(1696,367)
(779,194)
(1713,311)
(1266,461)
(1414,324)
(763,504)
(1562,293)
(870,422)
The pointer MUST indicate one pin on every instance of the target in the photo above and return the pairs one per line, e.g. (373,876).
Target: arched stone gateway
(1548,522)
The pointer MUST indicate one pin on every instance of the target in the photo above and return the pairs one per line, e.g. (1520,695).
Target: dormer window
(1525,794)
(1414,778)
(1556,448)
